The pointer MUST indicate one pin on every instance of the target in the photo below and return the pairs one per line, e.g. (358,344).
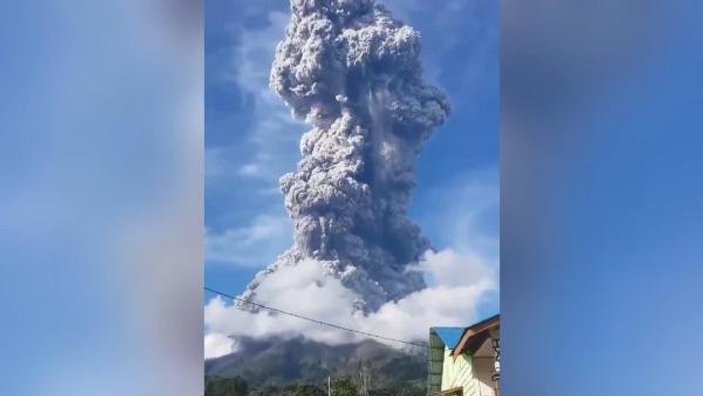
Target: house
(464,361)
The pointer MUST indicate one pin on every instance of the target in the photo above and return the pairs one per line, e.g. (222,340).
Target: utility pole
(329,385)
(364,375)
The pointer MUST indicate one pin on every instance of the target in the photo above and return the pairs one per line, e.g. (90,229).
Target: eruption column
(353,73)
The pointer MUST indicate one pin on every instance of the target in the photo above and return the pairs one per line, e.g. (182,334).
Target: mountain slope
(298,360)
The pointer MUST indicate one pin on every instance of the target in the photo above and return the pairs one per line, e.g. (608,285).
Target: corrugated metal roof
(450,336)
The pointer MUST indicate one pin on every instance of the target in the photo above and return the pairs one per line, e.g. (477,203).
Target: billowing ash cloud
(353,73)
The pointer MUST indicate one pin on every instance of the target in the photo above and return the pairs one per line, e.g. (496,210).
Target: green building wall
(445,372)
(458,373)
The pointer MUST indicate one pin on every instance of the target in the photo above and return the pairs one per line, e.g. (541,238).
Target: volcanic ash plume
(353,73)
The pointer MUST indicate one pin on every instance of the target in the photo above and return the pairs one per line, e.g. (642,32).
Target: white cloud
(452,269)
(306,289)
(250,169)
(255,244)
(217,345)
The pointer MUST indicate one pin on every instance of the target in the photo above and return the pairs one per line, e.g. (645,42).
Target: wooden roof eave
(475,336)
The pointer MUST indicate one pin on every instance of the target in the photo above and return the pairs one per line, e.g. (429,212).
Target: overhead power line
(316,321)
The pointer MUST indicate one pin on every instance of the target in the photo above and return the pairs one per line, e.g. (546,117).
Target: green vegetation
(226,387)
(300,367)
(345,386)
(290,390)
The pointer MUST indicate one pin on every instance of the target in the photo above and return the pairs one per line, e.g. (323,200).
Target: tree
(226,387)
(290,390)
(308,390)
(344,387)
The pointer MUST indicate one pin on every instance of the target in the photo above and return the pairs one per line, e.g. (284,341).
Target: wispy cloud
(252,245)
(270,140)
(251,156)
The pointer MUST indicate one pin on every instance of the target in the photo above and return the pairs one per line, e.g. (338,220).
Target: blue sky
(250,139)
